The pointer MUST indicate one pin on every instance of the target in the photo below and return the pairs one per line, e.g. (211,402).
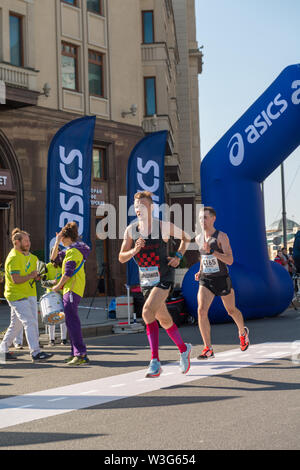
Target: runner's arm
(126,251)
(169,229)
(226,256)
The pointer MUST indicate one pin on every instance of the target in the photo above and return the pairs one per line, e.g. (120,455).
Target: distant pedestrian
(292,267)
(285,258)
(278,258)
(296,251)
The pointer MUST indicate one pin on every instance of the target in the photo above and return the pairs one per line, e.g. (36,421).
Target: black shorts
(219,286)
(165,285)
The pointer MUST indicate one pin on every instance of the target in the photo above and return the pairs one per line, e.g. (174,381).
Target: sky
(246,45)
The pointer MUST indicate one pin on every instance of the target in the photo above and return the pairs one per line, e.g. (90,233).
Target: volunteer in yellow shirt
(20,293)
(54,275)
(73,283)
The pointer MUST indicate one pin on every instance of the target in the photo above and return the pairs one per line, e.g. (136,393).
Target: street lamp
(133,110)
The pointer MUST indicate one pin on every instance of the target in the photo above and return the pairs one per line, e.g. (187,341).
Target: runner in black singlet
(152,260)
(156,272)
(214,280)
(214,273)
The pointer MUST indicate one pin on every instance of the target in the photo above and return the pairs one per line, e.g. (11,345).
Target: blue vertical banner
(69,179)
(145,172)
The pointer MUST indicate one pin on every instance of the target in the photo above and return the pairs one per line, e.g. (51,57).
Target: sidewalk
(92,312)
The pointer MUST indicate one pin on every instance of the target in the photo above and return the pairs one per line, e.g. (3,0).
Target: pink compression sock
(175,336)
(152,330)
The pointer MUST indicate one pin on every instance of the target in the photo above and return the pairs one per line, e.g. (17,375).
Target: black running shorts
(165,285)
(219,286)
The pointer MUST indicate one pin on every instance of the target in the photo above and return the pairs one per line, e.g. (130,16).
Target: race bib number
(149,277)
(210,264)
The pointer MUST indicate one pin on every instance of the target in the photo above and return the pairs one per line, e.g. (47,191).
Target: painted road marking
(56,401)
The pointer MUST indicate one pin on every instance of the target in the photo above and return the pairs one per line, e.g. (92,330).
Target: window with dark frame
(69,66)
(148,27)
(96,75)
(99,163)
(71,2)
(94,6)
(150,95)
(16,39)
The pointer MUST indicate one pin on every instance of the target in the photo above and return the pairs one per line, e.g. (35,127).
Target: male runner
(156,272)
(214,280)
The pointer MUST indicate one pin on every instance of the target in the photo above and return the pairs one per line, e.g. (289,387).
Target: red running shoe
(206,353)
(244,340)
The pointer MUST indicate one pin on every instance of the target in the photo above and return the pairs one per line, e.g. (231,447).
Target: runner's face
(142,207)
(208,220)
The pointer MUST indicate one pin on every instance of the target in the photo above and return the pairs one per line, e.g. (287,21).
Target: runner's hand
(197,276)
(206,247)
(139,244)
(174,262)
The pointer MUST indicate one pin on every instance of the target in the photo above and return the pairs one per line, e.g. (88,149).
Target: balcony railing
(157,51)
(18,76)
(159,123)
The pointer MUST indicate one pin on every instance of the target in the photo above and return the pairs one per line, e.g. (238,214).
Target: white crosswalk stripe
(56,401)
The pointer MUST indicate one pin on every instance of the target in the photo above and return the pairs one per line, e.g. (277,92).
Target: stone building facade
(119,60)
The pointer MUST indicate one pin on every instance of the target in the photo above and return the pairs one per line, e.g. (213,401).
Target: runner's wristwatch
(179,255)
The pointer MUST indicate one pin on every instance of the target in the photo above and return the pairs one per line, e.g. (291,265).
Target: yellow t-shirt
(53,274)
(76,283)
(18,263)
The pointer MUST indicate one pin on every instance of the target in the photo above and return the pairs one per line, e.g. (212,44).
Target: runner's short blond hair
(144,195)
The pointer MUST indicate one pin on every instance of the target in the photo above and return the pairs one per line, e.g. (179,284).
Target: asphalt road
(253,407)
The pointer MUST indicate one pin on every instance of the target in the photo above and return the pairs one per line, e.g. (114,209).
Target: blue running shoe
(154,368)
(185,362)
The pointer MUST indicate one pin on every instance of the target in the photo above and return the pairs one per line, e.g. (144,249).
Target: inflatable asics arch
(231,174)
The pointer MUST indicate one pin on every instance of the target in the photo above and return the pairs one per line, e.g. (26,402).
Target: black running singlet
(152,259)
(211,266)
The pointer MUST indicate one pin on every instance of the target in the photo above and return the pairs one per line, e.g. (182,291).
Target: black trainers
(41,357)
(8,356)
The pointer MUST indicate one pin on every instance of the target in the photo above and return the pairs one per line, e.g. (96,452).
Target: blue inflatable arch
(231,174)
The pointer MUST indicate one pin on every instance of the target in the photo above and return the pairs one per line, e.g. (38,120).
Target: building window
(69,66)
(94,6)
(96,73)
(99,163)
(150,95)
(71,2)
(16,39)
(148,27)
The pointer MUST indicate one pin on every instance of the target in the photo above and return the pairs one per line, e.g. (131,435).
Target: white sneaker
(185,362)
